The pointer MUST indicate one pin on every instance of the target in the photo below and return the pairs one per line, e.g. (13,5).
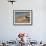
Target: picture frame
(22,17)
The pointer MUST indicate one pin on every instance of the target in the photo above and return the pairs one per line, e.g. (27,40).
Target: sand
(22,19)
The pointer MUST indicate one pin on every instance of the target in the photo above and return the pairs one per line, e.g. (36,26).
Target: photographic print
(22,16)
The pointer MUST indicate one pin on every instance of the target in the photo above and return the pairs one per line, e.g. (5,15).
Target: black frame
(23,24)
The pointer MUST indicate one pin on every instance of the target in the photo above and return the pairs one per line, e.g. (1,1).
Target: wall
(38,30)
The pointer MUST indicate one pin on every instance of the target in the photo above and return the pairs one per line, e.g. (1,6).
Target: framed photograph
(22,17)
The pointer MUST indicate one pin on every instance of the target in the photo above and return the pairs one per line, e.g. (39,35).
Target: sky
(21,13)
